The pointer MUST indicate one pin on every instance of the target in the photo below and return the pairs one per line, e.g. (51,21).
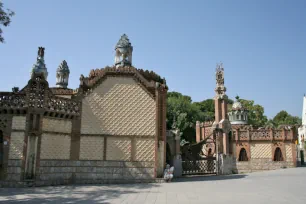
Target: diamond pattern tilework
(91,148)
(16,145)
(19,123)
(55,146)
(288,152)
(260,151)
(57,125)
(118,106)
(118,149)
(145,150)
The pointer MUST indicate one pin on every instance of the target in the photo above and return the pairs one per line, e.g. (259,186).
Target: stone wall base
(65,172)
(256,165)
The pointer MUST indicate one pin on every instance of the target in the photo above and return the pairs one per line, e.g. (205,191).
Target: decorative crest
(220,74)
(220,88)
(41,51)
(40,66)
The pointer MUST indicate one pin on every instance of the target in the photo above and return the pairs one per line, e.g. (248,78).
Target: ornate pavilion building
(112,129)
(253,149)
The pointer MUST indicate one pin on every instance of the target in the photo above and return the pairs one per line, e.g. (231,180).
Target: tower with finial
(62,75)
(124,51)
(221,117)
(40,66)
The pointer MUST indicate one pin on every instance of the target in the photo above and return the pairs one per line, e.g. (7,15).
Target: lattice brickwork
(55,146)
(145,150)
(19,123)
(16,145)
(118,106)
(288,152)
(57,125)
(91,148)
(260,151)
(118,149)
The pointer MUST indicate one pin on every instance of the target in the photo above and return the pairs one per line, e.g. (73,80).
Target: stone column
(177,163)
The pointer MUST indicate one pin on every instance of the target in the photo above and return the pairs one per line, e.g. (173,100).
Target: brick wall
(92,148)
(259,151)
(16,145)
(118,106)
(19,123)
(55,146)
(57,125)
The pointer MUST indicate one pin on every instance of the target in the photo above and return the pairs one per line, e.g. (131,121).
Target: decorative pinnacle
(237,97)
(41,51)
(63,67)
(219,67)
(124,42)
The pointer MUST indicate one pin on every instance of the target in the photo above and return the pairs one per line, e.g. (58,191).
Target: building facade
(253,149)
(112,129)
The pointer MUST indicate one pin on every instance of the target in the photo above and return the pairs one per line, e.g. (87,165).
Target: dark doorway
(278,156)
(243,155)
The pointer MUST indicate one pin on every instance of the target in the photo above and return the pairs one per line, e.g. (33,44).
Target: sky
(261,43)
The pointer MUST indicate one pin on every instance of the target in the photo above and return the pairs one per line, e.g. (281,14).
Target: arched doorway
(243,155)
(278,156)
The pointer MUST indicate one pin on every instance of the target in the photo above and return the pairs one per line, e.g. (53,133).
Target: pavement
(278,186)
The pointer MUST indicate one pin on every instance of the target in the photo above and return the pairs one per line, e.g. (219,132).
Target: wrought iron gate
(201,166)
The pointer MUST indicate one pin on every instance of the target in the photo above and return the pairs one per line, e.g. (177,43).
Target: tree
(5,19)
(182,114)
(256,115)
(284,118)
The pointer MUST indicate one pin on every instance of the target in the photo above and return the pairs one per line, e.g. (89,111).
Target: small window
(243,155)
(278,156)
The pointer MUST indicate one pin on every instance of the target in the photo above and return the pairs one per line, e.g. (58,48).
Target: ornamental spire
(62,75)
(124,51)
(220,88)
(40,66)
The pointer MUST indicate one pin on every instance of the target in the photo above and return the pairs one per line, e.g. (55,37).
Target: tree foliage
(256,115)
(182,114)
(5,19)
(284,118)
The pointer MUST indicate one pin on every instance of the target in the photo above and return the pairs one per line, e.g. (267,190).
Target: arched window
(243,155)
(278,156)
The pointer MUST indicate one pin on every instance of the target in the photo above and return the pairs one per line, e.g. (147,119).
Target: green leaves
(5,19)
(284,118)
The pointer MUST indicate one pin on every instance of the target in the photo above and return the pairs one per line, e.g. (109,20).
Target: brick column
(198,132)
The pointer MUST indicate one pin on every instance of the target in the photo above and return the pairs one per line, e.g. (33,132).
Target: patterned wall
(91,148)
(16,145)
(145,150)
(118,149)
(288,148)
(260,151)
(55,146)
(118,106)
(19,123)
(57,125)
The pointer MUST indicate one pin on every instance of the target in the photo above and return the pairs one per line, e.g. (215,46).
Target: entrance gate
(199,158)
(201,166)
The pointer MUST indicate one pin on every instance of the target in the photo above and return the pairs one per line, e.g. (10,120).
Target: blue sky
(261,43)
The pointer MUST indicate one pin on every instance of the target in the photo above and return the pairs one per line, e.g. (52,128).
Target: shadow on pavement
(208,178)
(71,194)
